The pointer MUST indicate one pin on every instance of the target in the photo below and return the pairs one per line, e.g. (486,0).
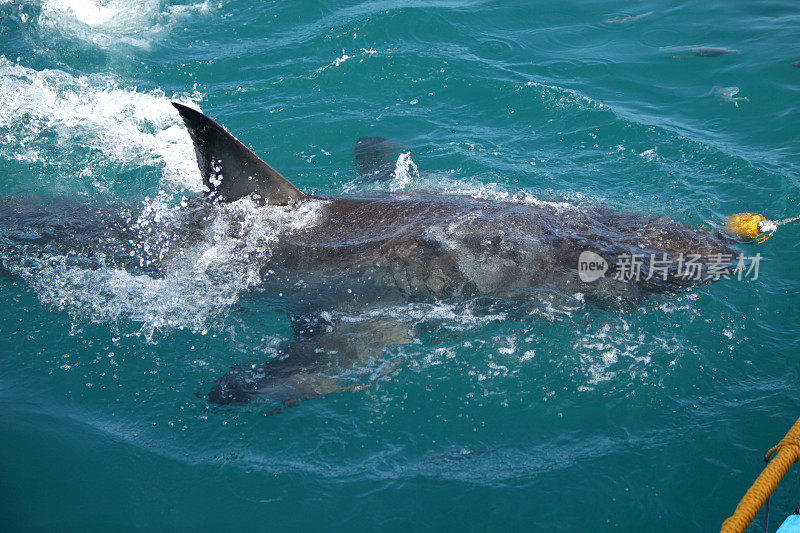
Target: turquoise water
(569,418)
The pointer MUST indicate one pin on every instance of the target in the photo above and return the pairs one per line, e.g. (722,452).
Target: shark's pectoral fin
(376,158)
(324,357)
(231,170)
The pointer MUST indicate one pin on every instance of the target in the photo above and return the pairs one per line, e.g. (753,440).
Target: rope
(780,458)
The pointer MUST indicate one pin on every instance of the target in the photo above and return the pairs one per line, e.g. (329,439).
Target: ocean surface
(566,418)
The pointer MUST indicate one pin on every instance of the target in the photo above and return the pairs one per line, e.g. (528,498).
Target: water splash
(106,23)
(198,284)
(405,173)
(123,126)
(561,97)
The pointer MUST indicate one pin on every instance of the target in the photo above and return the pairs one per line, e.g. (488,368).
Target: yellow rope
(784,455)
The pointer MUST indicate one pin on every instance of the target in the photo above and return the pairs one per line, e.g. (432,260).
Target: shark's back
(426,246)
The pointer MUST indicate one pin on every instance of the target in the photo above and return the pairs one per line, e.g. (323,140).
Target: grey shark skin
(376,251)
(371,252)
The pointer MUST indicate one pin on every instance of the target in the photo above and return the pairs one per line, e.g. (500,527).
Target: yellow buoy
(750,227)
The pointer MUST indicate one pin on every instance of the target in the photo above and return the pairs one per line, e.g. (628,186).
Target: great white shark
(371,252)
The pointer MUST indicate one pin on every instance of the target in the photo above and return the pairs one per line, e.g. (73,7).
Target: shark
(370,252)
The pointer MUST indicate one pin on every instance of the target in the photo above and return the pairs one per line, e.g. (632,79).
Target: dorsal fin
(231,170)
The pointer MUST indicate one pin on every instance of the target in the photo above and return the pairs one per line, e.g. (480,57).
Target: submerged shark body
(366,253)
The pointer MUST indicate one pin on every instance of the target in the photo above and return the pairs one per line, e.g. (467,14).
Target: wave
(108,23)
(52,118)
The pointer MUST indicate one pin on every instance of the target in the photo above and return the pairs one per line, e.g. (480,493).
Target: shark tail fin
(231,170)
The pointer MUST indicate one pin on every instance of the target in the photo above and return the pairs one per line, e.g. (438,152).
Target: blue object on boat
(790,525)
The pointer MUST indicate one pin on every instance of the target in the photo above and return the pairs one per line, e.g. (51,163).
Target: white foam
(497,193)
(365,52)
(451,316)
(405,173)
(649,155)
(200,284)
(106,23)
(612,348)
(565,98)
(127,127)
